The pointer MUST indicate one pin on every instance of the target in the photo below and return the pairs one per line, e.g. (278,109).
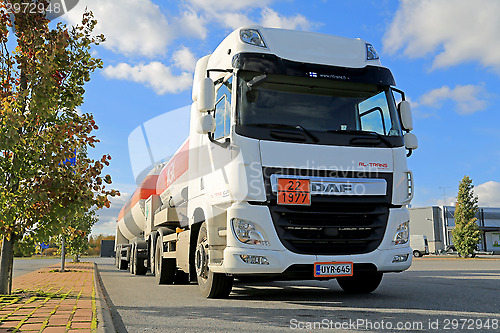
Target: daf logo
(331,188)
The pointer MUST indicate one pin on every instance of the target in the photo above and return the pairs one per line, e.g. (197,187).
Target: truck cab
(304,108)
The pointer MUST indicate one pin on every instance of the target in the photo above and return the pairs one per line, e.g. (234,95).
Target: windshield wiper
(364,133)
(313,137)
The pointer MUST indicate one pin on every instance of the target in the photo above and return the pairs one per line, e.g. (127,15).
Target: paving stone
(81,325)
(58,321)
(70,295)
(32,326)
(60,329)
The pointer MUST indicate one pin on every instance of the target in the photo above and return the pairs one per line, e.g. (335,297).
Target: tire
(123,265)
(417,254)
(361,283)
(212,285)
(164,268)
(117,259)
(131,262)
(181,277)
(152,257)
(138,264)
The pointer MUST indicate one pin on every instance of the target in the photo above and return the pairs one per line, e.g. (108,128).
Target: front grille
(331,225)
(327,228)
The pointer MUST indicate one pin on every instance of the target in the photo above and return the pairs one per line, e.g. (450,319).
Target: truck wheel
(164,268)
(212,285)
(361,283)
(181,277)
(131,262)
(139,268)
(417,254)
(123,264)
(117,259)
(152,258)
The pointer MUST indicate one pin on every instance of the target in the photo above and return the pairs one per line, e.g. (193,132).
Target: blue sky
(444,54)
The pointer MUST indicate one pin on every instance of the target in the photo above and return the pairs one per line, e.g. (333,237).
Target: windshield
(315,106)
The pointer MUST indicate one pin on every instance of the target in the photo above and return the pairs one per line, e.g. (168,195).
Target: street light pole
(63,254)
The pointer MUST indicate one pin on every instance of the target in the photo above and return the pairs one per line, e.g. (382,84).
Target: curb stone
(104,317)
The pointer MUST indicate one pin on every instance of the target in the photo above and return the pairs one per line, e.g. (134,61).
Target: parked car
(419,245)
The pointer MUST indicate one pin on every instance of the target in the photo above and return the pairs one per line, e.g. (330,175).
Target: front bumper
(279,259)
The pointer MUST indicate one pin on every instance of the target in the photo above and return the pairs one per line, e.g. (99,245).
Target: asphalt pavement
(434,295)
(26,265)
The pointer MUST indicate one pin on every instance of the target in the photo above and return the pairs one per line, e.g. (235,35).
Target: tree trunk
(76,258)
(6,265)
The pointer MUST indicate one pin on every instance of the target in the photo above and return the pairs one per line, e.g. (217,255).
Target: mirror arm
(217,70)
(401,92)
(224,144)
(410,151)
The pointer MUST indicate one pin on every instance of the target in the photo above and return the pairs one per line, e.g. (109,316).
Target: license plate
(332,269)
(294,191)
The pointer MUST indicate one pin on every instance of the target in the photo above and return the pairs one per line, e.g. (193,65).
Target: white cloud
(449,201)
(272,19)
(458,31)
(155,75)
(184,59)
(467,98)
(236,13)
(130,26)
(190,24)
(234,20)
(108,216)
(488,194)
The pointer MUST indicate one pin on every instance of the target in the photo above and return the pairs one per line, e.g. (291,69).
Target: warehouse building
(437,222)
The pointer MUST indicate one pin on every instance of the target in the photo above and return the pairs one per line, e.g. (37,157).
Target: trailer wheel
(152,257)
(123,264)
(117,258)
(361,283)
(212,285)
(138,264)
(131,262)
(164,268)
(417,254)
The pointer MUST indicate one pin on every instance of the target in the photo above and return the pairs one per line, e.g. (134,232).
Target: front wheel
(361,283)
(417,254)
(212,285)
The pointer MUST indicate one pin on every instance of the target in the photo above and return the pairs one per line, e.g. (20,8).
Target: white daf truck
(295,167)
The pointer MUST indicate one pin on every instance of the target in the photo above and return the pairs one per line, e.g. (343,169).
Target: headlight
(248,232)
(371,53)
(402,234)
(252,37)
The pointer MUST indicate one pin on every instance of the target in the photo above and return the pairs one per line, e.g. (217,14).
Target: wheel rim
(158,259)
(201,261)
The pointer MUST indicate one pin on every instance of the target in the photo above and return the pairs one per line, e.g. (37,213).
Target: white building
(437,222)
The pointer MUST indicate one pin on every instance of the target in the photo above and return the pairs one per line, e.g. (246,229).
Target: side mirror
(411,141)
(405,113)
(206,124)
(206,95)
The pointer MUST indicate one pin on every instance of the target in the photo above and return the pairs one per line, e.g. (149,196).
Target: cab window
(223,110)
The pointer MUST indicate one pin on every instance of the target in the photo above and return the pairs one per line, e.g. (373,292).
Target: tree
(466,234)
(77,233)
(41,85)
